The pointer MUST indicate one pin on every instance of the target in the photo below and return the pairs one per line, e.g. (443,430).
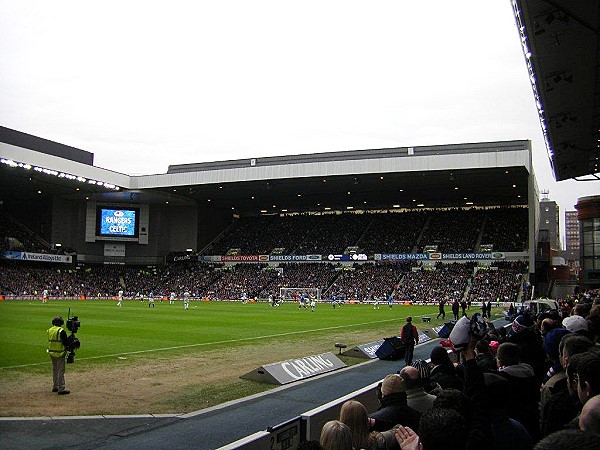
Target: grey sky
(145,84)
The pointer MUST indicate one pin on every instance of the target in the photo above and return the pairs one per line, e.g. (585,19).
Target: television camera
(73,343)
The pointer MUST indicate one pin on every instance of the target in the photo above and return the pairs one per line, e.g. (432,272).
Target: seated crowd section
(15,236)
(452,230)
(406,282)
(534,384)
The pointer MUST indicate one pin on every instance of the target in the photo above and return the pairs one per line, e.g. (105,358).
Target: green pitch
(108,332)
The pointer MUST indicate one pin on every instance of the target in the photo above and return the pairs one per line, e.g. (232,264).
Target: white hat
(459,336)
(575,324)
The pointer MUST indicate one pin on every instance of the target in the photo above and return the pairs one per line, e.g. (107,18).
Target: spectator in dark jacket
(561,409)
(484,356)
(524,390)
(445,428)
(507,433)
(394,409)
(410,336)
(443,371)
(523,333)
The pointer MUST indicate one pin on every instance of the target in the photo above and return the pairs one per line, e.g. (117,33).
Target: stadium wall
(171,228)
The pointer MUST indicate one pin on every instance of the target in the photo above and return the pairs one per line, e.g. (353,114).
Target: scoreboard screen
(122,222)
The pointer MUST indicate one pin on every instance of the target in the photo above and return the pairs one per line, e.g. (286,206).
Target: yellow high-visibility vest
(56,349)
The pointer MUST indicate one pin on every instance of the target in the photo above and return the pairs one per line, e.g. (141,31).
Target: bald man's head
(411,377)
(547,325)
(589,420)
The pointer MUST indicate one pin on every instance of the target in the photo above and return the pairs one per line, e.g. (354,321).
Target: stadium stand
(366,282)
(360,282)
(16,236)
(301,234)
(455,230)
(443,281)
(500,282)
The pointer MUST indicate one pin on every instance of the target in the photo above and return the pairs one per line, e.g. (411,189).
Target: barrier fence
(308,425)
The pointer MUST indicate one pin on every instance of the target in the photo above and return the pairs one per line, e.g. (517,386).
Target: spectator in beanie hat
(551,346)
(393,407)
(556,376)
(523,333)
(425,373)
(443,371)
(521,323)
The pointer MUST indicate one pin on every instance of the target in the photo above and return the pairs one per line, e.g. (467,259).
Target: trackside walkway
(206,429)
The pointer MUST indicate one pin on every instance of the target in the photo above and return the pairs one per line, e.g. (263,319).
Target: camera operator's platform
(205,429)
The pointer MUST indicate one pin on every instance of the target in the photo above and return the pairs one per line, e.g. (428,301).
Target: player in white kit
(151,300)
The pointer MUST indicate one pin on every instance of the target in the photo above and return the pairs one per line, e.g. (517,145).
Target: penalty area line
(228,341)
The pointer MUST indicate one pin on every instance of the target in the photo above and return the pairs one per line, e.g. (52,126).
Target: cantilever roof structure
(560,40)
(480,174)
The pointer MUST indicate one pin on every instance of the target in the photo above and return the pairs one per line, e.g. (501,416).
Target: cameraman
(57,349)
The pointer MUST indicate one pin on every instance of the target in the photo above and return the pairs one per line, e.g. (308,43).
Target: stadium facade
(57,191)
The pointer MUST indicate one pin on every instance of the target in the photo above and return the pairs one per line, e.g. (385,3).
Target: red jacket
(415,334)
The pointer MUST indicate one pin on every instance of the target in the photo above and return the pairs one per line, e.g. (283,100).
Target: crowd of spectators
(450,231)
(534,384)
(392,232)
(431,284)
(500,282)
(360,282)
(368,282)
(261,235)
(16,237)
(334,233)
(455,230)
(506,229)
(300,234)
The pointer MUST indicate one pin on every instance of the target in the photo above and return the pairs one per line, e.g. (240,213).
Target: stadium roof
(560,41)
(482,174)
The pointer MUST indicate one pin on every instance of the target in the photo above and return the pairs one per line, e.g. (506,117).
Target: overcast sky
(145,84)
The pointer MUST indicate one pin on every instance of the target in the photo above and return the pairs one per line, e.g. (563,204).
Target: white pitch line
(203,344)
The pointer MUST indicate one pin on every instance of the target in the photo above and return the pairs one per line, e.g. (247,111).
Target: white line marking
(229,341)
